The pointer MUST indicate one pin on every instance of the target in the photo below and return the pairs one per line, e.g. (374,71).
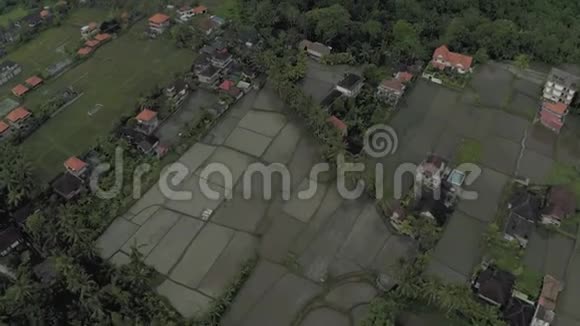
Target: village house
(33,82)
(561,86)
(76,166)
(9,34)
(209,76)
(32,20)
(431,173)
(177,92)
(523,212)
(339,125)
(20,90)
(545,309)
(4,130)
(393,89)
(221,60)
(18,116)
(159,23)
(201,63)
(147,144)
(552,115)
(560,204)
(90,30)
(147,121)
(229,87)
(67,186)
(83,52)
(9,70)
(494,286)
(315,50)
(443,58)
(350,85)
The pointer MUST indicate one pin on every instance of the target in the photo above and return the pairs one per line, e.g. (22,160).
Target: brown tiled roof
(18,114)
(75,164)
(19,90)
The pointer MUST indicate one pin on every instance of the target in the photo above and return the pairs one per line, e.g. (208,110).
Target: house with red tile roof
(19,90)
(84,51)
(92,43)
(34,81)
(391,90)
(4,128)
(545,309)
(17,116)
(404,77)
(552,115)
(560,204)
(158,23)
(103,37)
(75,166)
(229,87)
(338,124)
(443,58)
(201,9)
(147,121)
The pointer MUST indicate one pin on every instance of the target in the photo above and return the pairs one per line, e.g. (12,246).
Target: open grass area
(469,151)
(12,15)
(50,46)
(224,8)
(113,77)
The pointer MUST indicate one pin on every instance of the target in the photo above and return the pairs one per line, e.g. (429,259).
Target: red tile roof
(551,120)
(159,18)
(146,115)
(453,57)
(75,164)
(3,127)
(92,43)
(84,51)
(20,90)
(226,85)
(393,84)
(103,37)
(550,290)
(199,9)
(18,114)
(558,108)
(339,124)
(34,81)
(404,76)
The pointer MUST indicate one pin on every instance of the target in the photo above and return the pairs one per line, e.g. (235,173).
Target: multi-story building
(561,86)
(158,23)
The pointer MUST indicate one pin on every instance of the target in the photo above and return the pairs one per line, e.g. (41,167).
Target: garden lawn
(224,8)
(49,46)
(469,152)
(12,15)
(114,77)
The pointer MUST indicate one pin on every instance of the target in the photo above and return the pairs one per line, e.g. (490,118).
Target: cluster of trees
(390,31)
